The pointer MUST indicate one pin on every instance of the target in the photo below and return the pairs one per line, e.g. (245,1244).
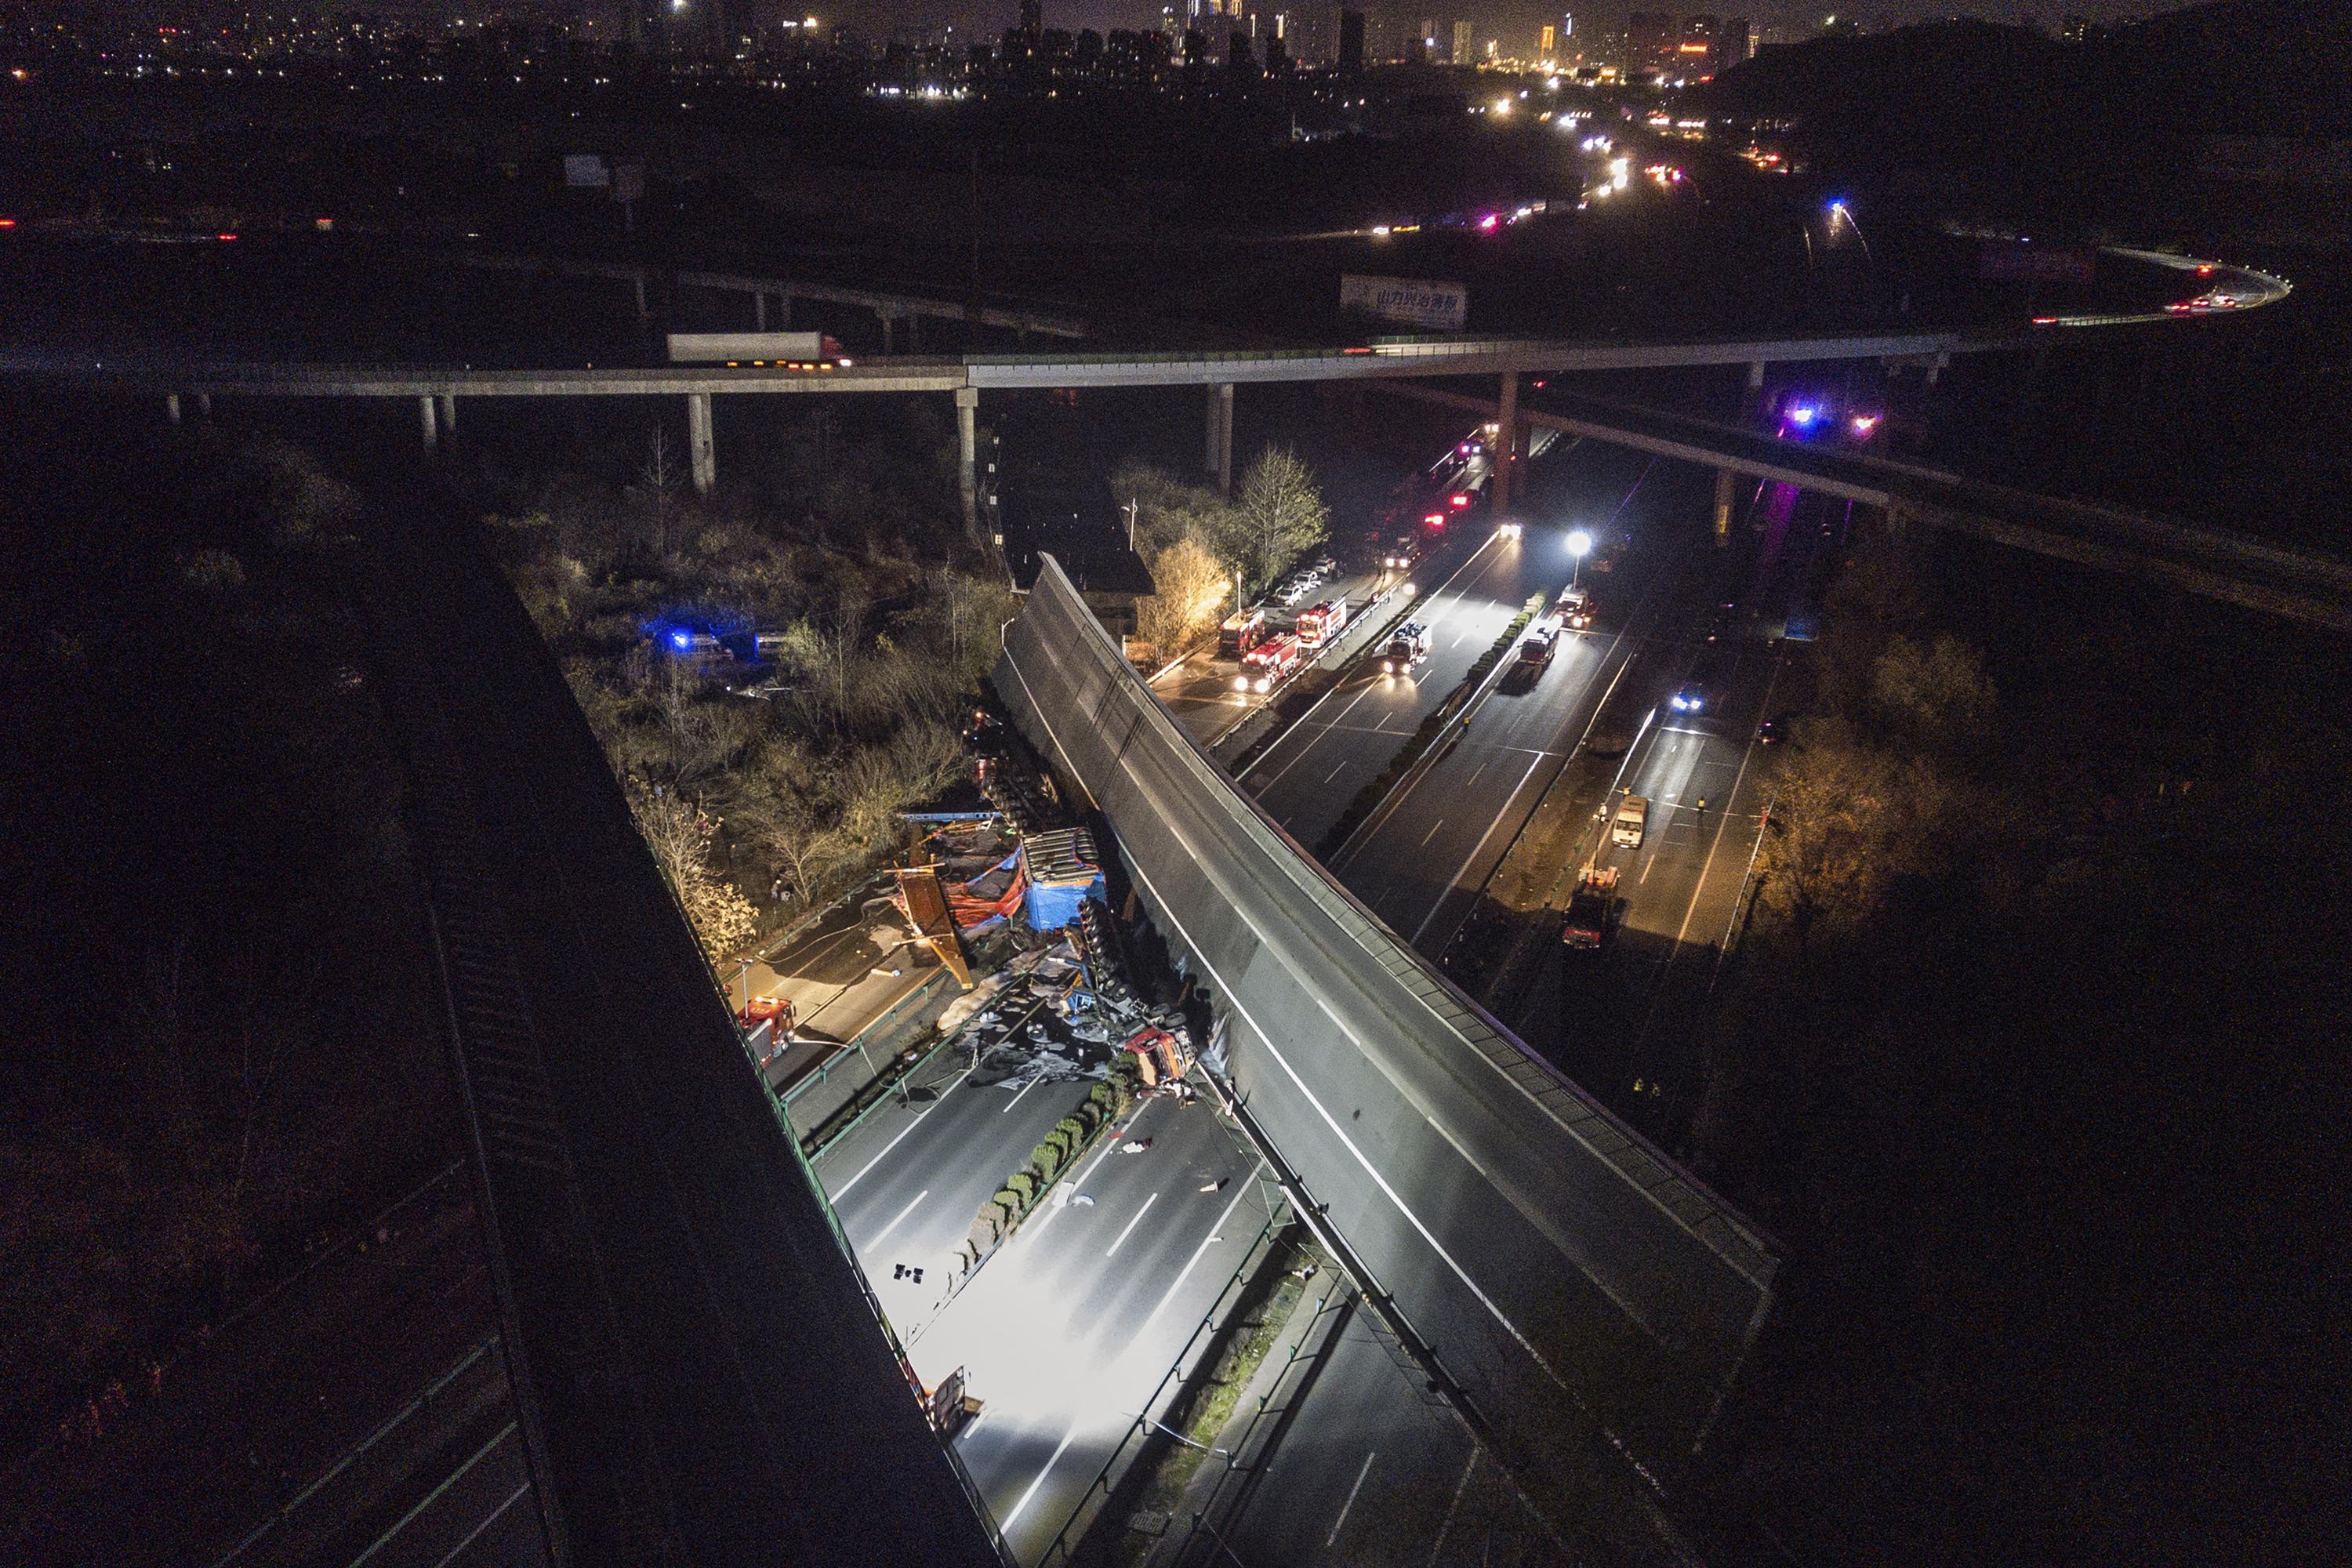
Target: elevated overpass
(1584,1297)
(700,1372)
(2300,584)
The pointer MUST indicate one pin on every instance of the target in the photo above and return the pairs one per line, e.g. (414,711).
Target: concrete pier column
(172,407)
(1220,454)
(1506,441)
(424,422)
(783,312)
(914,334)
(1935,368)
(1753,398)
(759,309)
(204,404)
(889,334)
(638,282)
(449,408)
(967,406)
(701,452)
(1723,478)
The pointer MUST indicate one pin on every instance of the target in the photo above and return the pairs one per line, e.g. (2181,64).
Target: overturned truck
(1579,1292)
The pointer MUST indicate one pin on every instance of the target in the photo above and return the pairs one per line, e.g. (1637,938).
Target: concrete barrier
(1553,1260)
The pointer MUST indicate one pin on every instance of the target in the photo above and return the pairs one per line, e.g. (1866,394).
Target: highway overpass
(701,1372)
(1584,1297)
(2300,584)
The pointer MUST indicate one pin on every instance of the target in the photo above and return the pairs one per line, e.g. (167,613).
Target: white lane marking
(1428,1236)
(1432,832)
(1130,1225)
(1016,1097)
(1199,1252)
(844,1191)
(496,1514)
(1077,1183)
(1480,769)
(1047,1469)
(1533,763)
(894,1223)
(1351,1499)
(1335,773)
(1647,866)
(1452,1508)
(1181,1275)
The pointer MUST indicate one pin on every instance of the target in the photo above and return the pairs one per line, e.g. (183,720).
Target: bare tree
(657,481)
(1282,514)
(680,835)
(1192,588)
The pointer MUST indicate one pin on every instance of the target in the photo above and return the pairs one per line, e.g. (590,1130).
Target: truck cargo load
(1589,909)
(766,350)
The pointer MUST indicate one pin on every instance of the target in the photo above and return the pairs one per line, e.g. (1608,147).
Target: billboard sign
(1407,301)
(585,171)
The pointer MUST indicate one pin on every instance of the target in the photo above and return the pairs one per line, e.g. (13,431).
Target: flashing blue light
(681,639)
(1803,414)
(1837,206)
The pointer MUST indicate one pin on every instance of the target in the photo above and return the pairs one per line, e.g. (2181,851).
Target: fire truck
(1243,630)
(1321,622)
(1266,665)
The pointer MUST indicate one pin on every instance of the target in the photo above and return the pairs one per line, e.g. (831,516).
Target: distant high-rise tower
(1351,42)
(2075,29)
(1462,55)
(1694,54)
(1736,43)
(1649,42)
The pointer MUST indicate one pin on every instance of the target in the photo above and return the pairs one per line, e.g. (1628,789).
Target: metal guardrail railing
(1065,1540)
(915,1390)
(359,1450)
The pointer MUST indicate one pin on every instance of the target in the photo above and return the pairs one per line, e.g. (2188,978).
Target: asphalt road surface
(1065,1331)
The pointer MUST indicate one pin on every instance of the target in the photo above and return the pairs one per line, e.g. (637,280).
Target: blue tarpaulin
(1064,871)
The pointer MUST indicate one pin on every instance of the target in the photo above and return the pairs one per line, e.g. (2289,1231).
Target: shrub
(1022,1185)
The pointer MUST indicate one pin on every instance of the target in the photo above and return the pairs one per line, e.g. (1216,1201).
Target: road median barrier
(1416,746)
(1105,1106)
(1289,705)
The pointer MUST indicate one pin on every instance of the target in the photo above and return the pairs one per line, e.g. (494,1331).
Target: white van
(1632,817)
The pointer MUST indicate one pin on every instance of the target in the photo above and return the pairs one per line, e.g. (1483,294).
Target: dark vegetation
(218,1025)
(841,540)
(2035,1059)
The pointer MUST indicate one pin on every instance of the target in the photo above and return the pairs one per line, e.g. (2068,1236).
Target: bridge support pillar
(967,404)
(637,280)
(447,403)
(204,404)
(1723,478)
(1506,441)
(914,333)
(889,334)
(783,312)
(759,309)
(1219,457)
(425,423)
(172,407)
(1935,368)
(701,452)
(1753,398)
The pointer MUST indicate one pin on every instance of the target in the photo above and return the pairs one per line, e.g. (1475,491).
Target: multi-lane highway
(1066,1331)
(1371,1469)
